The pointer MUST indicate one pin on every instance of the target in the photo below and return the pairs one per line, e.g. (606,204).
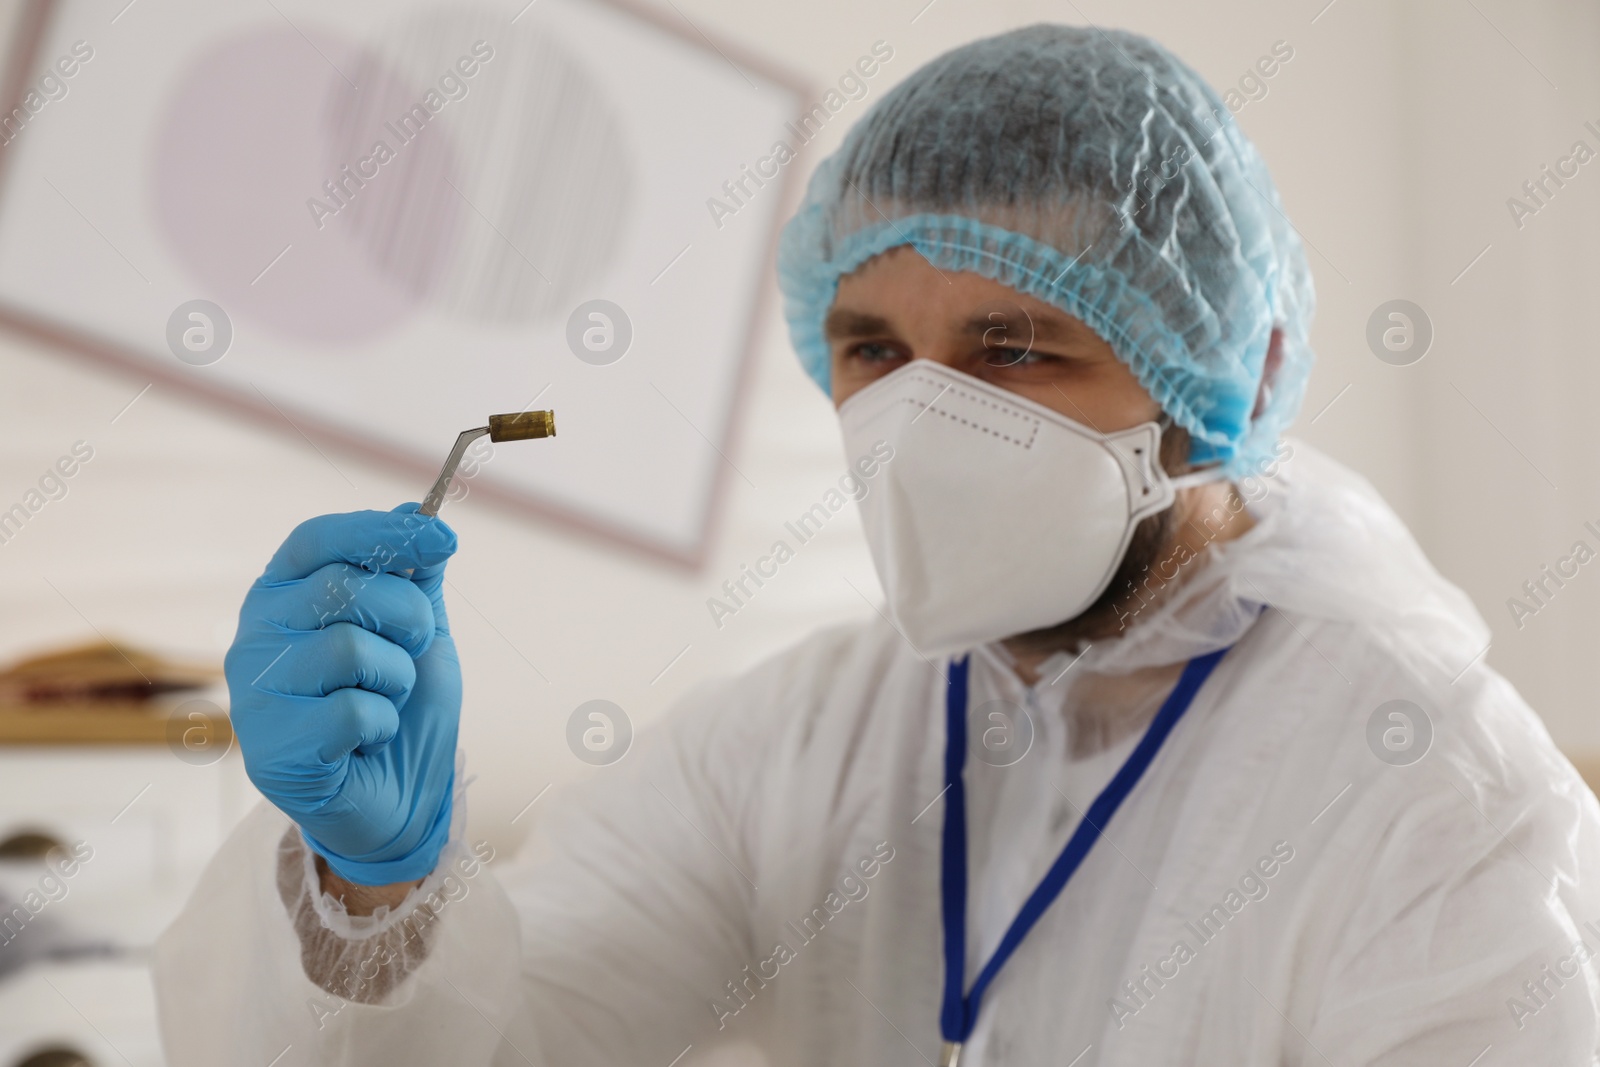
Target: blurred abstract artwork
(368,224)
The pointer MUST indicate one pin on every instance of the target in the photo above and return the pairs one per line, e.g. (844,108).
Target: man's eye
(873,352)
(1011,357)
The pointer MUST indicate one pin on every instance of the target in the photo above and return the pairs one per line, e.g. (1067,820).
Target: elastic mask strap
(1199,477)
(1203,476)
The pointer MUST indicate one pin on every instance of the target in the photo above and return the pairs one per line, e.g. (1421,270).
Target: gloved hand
(346,690)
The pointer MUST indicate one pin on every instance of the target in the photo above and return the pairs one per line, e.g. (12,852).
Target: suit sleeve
(605,942)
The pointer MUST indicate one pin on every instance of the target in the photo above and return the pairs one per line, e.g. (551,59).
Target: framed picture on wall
(372,224)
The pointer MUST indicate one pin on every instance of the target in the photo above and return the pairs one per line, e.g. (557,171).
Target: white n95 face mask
(996,515)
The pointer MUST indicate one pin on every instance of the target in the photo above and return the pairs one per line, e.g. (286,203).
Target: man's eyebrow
(843,322)
(1025,327)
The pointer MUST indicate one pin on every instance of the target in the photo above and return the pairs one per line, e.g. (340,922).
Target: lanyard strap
(959,1014)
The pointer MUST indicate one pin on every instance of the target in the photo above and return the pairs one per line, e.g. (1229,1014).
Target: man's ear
(1269,373)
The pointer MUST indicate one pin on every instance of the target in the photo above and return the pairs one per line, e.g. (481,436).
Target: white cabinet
(105,1012)
(147,822)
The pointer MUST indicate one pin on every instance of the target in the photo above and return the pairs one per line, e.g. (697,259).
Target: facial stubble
(1152,540)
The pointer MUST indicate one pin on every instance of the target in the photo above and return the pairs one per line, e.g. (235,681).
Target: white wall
(1395,133)
(1506,404)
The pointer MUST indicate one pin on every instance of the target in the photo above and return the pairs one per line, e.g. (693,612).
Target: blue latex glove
(346,690)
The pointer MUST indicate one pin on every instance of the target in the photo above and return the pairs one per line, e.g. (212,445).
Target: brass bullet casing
(522,426)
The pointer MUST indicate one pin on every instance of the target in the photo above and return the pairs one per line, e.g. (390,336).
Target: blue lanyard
(959,1014)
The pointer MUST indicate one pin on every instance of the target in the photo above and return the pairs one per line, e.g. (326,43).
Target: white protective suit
(1271,893)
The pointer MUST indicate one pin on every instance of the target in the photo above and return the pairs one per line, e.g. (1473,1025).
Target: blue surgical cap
(1093,170)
